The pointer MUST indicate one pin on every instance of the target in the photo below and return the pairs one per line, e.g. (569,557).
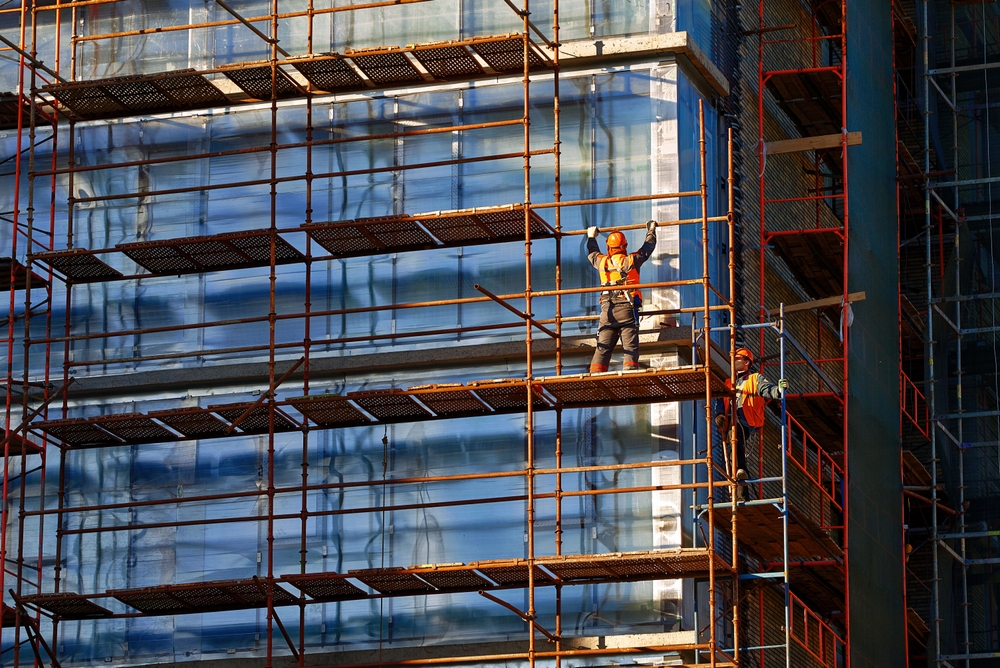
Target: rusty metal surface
(76,432)
(78,265)
(389,405)
(254,79)
(68,605)
(202,597)
(325,587)
(392,581)
(232,250)
(507,54)
(133,428)
(385,66)
(328,73)
(257,421)
(20,272)
(194,423)
(448,62)
(329,411)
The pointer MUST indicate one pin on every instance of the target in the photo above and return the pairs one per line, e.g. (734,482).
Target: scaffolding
(945,54)
(793,532)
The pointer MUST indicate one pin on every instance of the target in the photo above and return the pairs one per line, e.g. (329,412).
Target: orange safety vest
(748,399)
(620,271)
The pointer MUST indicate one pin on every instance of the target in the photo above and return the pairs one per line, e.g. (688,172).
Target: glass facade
(628,129)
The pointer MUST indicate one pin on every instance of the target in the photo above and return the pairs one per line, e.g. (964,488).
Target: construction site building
(300,318)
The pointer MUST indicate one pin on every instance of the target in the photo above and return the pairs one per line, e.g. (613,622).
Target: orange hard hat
(617,240)
(744,352)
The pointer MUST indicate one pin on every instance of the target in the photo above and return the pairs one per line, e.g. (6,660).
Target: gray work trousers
(618,320)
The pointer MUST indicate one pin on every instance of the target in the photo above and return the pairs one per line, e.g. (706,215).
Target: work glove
(592,231)
(650,225)
(782,385)
(720,422)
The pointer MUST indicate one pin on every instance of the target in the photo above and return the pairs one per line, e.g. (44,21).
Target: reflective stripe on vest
(612,271)
(748,399)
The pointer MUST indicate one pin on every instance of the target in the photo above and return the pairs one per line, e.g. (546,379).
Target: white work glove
(650,225)
(782,385)
(592,231)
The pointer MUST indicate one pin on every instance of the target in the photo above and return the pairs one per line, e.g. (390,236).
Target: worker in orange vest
(752,393)
(619,308)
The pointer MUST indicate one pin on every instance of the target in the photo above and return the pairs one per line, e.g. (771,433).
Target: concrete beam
(587,53)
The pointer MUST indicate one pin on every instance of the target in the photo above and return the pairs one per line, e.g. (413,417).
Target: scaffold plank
(393,405)
(17,445)
(483,225)
(68,605)
(328,72)
(392,581)
(192,422)
(232,250)
(255,80)
(77,432)
(8,267)
(446,579)
(9,617)
(760,530)
(811,100)
(447,61)
(815,258)
(506,53)
(258,419)
(133,428)
(368,236)
(325,586)
(385,66)
(511,573)
(213,596)
(78,265)
(508,395)
(450,400)
(389,406)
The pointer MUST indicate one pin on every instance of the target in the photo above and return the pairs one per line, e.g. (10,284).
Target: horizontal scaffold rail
(420,580)
(355,70)
(342,239)
(388,406)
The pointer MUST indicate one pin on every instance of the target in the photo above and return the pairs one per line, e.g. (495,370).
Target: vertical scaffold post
(784,493)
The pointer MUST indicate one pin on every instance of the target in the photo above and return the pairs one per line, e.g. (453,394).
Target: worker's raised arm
(648,245)
(769,390)
(593,249)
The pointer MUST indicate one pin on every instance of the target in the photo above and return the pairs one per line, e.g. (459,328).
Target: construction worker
(752,393)
(619,308)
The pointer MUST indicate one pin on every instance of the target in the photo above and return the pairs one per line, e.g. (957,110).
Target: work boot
(741,476)
(742,489)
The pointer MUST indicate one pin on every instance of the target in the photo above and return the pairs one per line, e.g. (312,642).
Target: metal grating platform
(392,405)
(815,258)
(760,530)
(192,422)
(508,395)
(811,100)
(67,605)
(367,236)
(133,428)
(232,250)
(18,445)
(392,581)
(450,400)
(329,73)
(452,579)
(78,265)
(10,266)
(447,61)
(77,432)
(184,89)
(203,597)
(257,421)
(511,573)
(506,54)
(325,587)
(329,411)
(629,387)
(255,80)
(385,66)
